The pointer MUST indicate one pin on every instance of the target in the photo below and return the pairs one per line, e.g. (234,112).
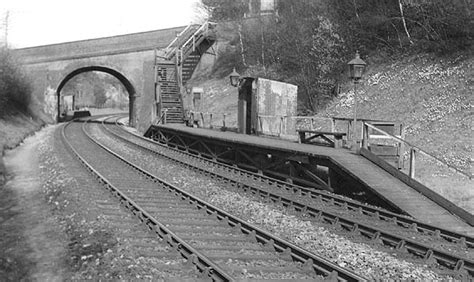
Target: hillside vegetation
(420,70)
(308,43)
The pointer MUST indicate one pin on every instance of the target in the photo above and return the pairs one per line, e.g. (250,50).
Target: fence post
(333,124)
(349,131)
(401,147)
(281,126)
(210,120)
(365,135)
(202,120)
(411,172)
(223,121)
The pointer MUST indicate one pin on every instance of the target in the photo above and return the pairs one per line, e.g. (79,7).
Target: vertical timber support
(333,179)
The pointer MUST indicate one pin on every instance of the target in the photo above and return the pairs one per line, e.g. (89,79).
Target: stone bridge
(130,58)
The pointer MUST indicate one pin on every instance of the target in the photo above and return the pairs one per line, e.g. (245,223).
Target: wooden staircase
(175,65)
(169,96)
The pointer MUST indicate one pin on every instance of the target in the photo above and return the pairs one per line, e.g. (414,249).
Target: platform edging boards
(427,192)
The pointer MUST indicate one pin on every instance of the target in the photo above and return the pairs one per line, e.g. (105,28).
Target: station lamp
(234,78)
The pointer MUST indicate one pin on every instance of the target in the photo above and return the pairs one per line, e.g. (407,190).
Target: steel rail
(205,265)
(336,200)
(454,262)
(320,264)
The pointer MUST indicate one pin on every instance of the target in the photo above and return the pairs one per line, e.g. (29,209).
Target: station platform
(358,167)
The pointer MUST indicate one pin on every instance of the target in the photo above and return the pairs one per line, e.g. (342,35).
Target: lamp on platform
(356,70)
(234,78)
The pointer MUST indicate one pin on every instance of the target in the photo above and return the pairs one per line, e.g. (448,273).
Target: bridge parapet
(106,46)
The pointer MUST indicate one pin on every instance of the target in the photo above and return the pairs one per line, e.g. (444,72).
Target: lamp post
(356,69)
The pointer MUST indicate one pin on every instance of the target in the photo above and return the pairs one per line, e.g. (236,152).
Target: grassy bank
(13,129)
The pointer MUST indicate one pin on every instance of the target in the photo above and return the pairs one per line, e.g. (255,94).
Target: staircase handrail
(170,50)
(202,29)
(178,35)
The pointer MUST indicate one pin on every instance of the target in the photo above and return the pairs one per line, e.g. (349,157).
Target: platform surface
(374,177)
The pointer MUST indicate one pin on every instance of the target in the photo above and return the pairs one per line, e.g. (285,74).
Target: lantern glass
(234,78)
(358,70)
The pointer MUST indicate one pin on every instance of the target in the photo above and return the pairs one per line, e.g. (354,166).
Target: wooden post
(411,173)
(349,130)
(210,120)
(281,126)
(365,135)
(333,125)
(401,147)
(202,120)
(223,121)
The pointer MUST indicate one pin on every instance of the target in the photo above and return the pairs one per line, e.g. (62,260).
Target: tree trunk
(404,22)
(242,51)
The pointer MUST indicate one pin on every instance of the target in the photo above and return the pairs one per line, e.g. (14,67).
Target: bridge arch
(129,87)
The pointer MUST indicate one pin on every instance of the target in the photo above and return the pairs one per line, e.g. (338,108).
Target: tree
(15,89)
(301,42)
(225,10)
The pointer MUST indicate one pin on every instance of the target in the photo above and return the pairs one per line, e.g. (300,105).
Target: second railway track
(450,249)
(242,251)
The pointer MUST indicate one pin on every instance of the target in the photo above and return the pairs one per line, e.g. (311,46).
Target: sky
(42,22)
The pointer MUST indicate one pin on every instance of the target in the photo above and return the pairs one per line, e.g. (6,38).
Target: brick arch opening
(122,78)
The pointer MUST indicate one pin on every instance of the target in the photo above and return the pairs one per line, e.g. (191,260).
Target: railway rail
(301,199)
(184,218)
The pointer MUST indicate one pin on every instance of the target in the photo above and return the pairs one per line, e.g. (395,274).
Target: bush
(14,87)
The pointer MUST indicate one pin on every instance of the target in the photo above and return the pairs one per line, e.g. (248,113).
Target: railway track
(143,248)
(403,233)
(220,245)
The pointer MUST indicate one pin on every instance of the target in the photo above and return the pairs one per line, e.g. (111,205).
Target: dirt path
(31,245)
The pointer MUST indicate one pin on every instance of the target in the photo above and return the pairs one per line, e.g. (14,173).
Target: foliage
(406,24)
(92,88)
(14,87)
(300,45)
(308,43)
(223,10)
